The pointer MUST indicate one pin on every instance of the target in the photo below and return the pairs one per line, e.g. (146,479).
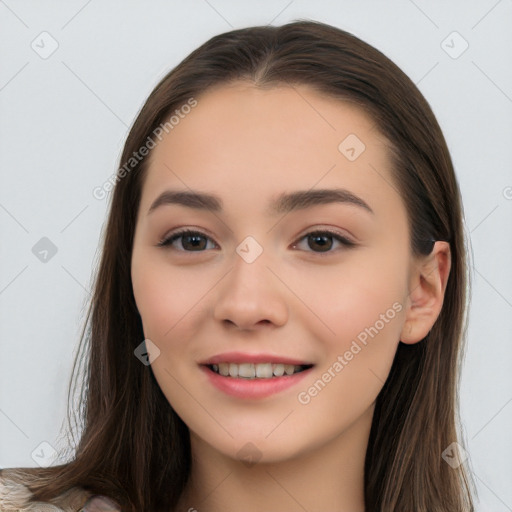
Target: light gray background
(64,119)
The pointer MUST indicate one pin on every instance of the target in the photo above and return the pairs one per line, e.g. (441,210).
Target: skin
(248,145)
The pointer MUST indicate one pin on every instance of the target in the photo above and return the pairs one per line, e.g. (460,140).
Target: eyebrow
(284,203)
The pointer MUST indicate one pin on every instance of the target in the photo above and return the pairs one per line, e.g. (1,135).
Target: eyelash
(167,241)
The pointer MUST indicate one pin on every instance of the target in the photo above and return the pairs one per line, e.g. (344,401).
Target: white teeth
(246,370)
(224,369)
(264,371)
(279,370)
(289,369)
(251,371)
(233,370)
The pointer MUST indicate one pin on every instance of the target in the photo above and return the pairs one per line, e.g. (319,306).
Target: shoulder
(15,495)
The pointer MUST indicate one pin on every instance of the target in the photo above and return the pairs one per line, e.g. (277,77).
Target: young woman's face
(300,260)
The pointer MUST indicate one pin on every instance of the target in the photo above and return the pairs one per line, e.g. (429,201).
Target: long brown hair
(133,447)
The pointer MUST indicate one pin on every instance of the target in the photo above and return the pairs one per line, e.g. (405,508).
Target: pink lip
(253,388)
(240,357)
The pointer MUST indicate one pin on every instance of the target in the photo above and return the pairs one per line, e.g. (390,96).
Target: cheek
(350,301)
(363,308)
(166,299)
(169,304)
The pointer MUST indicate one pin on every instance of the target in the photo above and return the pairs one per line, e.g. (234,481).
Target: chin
(257,449)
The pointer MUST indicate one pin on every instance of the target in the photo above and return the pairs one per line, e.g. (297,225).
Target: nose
(251,296)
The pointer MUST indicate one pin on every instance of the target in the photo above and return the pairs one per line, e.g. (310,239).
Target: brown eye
(191,241)
(323,241)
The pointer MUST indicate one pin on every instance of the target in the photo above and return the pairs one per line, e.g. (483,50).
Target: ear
(427,285)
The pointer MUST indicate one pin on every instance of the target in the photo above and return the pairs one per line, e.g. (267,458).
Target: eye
(191,241)
(322,241)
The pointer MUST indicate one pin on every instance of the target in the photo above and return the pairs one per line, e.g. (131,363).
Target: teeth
(223,369)
(279,370)
(252,371)
(246,370)
(289,369)
(233,370)
(264,371)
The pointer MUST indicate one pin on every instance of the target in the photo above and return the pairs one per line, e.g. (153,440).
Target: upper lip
(241,357)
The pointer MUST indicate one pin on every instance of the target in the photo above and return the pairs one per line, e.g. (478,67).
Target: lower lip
(253,388)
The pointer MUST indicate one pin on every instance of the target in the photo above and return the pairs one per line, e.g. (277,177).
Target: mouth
(256,371)
(254,376)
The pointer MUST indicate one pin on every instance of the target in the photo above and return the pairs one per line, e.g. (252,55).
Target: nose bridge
(250,293)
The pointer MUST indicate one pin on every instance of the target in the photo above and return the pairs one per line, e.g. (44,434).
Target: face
(277,305)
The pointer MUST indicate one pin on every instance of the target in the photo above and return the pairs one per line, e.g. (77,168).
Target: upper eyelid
(183,231)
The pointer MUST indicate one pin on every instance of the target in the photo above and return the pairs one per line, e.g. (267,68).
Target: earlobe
(427,286)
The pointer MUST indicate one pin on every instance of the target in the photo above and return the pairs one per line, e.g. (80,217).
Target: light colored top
(15,497)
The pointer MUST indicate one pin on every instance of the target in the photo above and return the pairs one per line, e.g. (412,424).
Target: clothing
(15,497)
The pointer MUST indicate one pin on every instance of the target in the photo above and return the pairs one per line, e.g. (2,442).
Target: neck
(327,477)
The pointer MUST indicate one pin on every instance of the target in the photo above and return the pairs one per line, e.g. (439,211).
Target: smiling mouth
(256,371)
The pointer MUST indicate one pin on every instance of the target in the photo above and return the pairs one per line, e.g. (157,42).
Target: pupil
(320,240)
(195,241)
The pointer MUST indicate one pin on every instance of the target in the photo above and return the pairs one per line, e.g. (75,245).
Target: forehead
(246,143)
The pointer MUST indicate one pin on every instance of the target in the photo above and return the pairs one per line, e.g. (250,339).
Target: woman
(280,304)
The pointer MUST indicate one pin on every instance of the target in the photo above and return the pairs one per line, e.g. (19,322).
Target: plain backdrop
(74,74)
